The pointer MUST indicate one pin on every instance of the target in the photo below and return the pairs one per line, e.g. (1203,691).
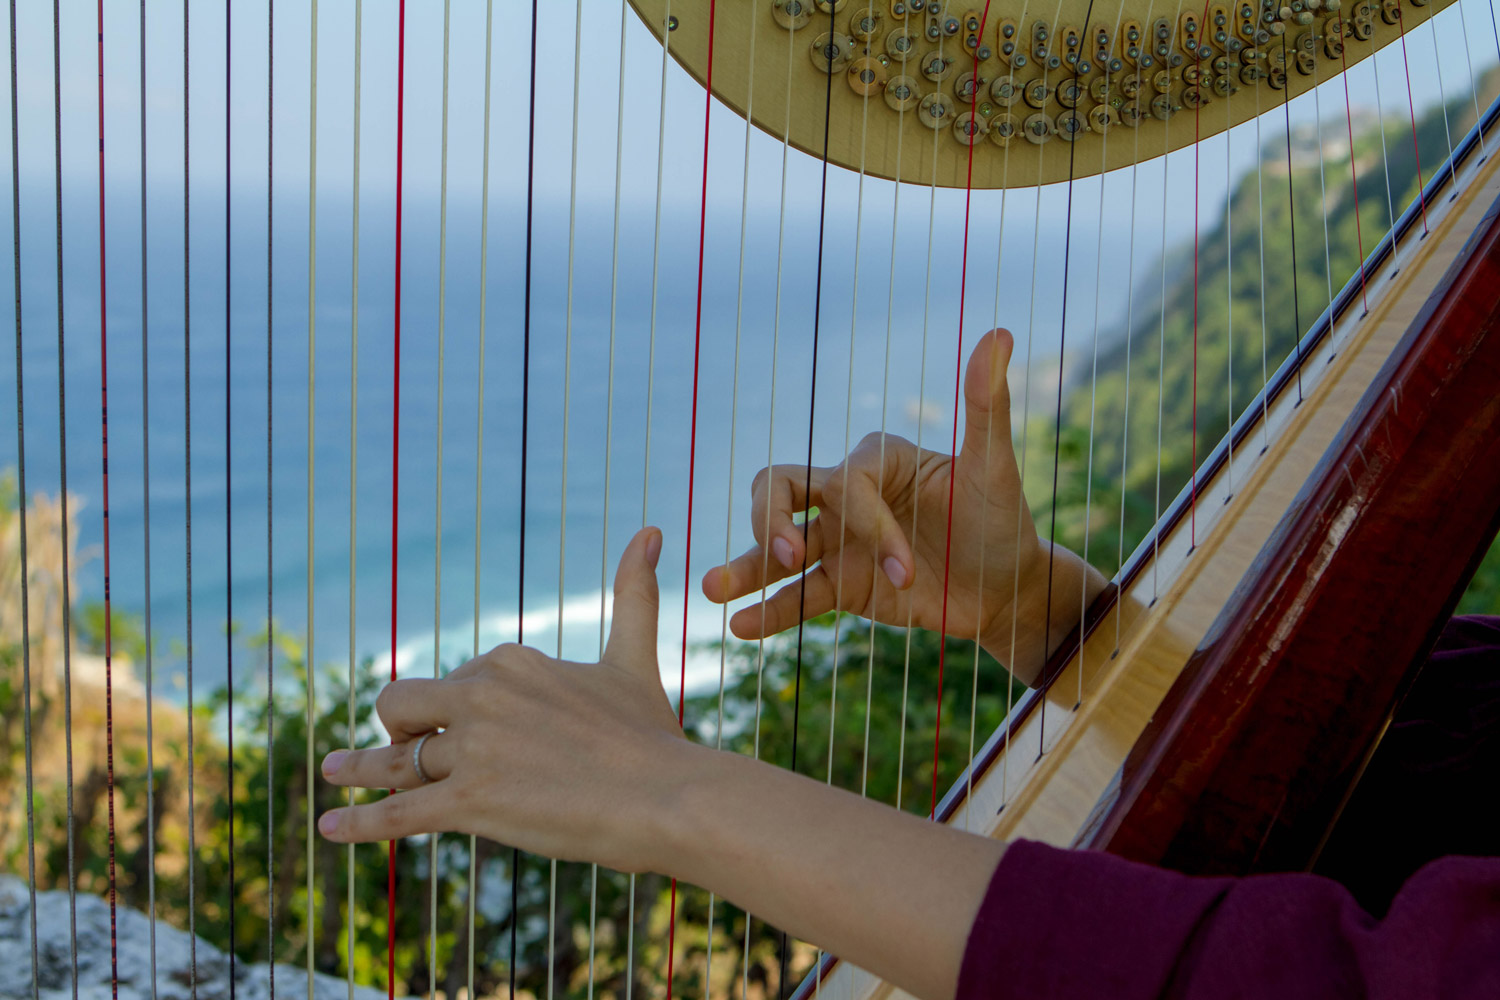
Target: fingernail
(895,571)
(783,551)
(331,763)
(653,549)
(328,822)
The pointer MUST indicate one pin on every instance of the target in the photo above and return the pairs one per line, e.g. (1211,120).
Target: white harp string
(437,554)
(349,919)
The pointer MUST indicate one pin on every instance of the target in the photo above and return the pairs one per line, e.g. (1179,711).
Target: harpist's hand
(534,752)
(586,762)
(864,557)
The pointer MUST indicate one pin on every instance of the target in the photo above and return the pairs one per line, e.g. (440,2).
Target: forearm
(885,890)
(1050,601)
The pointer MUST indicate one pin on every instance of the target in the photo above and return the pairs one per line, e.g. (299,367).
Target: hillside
(1295,290)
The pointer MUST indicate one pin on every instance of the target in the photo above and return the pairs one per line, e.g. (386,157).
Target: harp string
(921,409)
(1323,192)
(1416,152)
(484,260)
(1291,201)
(1385,156)
(15,222)
(562,529)
(1469,61)
(760,653)
(1062,346)
(1437,59)
(187,431)
(270,510)
(437,574)
(228,441)
(958,375)
(734,403)
(349,918)
(1260,234)
(708,101)
(1161,359)
(308,657)
(62,451)
(838,604)
(109,675)
(390,894)
(609,453)
(1088,492)
(515,852)
(1129,345)
(661,140)
(1354,177)
(1036,229)
(146,548)
(1020,484)
(1229,295)
(1197,203)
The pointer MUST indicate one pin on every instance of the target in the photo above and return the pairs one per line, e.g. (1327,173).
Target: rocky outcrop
(175,967)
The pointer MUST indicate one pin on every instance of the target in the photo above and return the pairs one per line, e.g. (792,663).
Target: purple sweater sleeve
(1065,924)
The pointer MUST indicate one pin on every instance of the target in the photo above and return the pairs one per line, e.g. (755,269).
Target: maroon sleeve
(1064,924)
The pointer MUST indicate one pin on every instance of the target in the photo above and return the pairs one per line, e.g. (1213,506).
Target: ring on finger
(416,757)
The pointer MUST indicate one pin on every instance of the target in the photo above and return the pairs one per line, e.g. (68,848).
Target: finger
(778,493)
(788,606)
(867,516)
(632,629)
(987,400)
(754,569)
(417,705)
(391,766)
(406,814)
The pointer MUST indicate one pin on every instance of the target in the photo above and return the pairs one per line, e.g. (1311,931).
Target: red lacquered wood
(1245,766)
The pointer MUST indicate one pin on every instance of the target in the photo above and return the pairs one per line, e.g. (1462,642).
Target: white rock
(176,967)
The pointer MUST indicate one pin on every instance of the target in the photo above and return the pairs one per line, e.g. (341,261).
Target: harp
(1211,710)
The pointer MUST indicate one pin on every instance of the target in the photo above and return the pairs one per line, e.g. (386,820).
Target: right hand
(880,543)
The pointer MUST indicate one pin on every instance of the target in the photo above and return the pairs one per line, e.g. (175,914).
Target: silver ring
(416,757)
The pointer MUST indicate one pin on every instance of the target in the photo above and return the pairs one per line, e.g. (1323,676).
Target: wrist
(1009,633)
(669,818)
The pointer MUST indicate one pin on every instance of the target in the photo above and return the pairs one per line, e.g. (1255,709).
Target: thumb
(632,630)
(987,401)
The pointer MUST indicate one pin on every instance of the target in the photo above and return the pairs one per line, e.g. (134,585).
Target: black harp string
(515,852)
(812,409)
(62,456)
(146,519)
(15,226)
(1062,344)
(109,674)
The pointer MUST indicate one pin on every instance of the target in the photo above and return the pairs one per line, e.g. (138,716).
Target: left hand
(555,758)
